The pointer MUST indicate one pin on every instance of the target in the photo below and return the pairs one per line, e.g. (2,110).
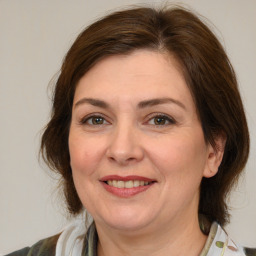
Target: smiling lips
(126,186)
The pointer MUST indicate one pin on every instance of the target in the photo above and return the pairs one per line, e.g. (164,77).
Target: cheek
(85,157)
(85,154)
(181,157)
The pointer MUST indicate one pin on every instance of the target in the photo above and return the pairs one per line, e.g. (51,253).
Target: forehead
(140,75)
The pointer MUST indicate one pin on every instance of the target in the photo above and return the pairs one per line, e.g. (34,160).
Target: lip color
(125,178)
(126,192)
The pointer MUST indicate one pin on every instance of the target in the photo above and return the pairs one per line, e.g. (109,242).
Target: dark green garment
(250,251)
(22,252)
(45,247)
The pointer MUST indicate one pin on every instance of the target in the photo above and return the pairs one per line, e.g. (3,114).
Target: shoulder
(70,240)
(45,247)
(219,243)
(249,251)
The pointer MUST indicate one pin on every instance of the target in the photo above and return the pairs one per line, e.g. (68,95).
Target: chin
(128,227)
(126,222)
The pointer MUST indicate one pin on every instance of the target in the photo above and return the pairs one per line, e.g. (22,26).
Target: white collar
(71,240)
(220,244)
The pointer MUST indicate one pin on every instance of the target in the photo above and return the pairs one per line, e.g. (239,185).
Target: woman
(149,135)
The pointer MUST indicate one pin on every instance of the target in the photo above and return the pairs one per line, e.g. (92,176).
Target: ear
(215,155)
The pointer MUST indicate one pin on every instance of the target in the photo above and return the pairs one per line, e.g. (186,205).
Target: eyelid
(84,119)
(170,119)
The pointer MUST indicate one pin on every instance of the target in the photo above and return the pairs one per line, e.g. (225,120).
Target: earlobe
(215,156)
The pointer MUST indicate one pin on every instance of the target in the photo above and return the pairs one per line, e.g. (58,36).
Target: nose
(125,146)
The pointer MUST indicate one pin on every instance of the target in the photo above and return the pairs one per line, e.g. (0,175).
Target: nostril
(124,154)
(122,160)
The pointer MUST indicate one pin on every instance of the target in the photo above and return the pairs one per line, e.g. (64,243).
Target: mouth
(126,186)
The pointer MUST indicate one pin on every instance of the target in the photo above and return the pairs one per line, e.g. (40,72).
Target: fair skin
(134,120)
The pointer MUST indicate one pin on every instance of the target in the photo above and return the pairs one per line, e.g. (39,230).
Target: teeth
(114,183)
(127,184)
(136,183)
(120,184)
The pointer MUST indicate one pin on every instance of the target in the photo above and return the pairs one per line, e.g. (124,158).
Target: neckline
(210,239)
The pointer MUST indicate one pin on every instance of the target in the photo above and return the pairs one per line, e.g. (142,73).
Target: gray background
(34,37)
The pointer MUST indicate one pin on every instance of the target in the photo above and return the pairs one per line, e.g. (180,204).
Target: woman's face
(137,147)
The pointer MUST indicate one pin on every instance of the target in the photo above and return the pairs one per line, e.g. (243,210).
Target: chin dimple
(127,184)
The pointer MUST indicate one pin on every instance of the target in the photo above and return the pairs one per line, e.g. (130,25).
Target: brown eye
(161,120)
(94,120)
(97,120)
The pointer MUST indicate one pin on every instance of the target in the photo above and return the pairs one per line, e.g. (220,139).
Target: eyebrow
(94,102)
(158,101)
(142,104)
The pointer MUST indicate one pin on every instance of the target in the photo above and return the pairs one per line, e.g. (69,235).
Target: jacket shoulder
(250,251)
(22,252)
(44,247)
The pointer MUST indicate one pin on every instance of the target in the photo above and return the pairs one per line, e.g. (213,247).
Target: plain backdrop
(34,37)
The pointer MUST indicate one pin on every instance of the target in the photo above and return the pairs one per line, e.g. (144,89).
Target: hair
(208,74)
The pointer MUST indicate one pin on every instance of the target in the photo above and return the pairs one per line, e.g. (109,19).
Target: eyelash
(165,118)
(84,120)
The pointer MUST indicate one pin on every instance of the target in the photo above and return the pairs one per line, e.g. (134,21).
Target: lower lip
(126,192)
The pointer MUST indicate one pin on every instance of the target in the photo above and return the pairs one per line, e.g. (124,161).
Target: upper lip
(126,178)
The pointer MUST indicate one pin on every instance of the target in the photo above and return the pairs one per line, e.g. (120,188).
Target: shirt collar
(218,243)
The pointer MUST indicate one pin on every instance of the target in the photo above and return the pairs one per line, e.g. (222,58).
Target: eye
(161,120)
(94,120)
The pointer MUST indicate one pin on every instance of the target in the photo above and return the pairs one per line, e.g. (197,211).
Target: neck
(181,239)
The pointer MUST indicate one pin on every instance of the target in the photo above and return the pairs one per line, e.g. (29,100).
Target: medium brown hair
(209,76)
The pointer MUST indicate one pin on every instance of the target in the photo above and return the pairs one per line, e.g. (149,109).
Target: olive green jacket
(45,247)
